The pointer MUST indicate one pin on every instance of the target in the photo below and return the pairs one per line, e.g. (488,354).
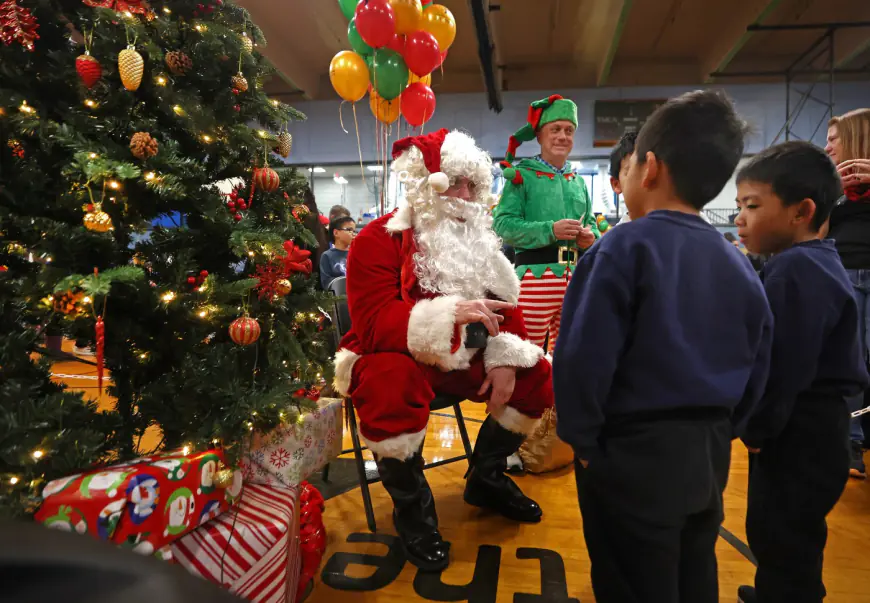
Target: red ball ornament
(375,22)
(422,54)
(203,273)
(191,280)
(300,393)
(245,330)
(267,179)
(89,69)
(418,104)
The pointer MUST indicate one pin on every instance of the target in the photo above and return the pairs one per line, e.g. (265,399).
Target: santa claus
(416,280)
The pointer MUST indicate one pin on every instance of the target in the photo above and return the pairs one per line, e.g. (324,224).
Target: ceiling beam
(281,48)
(615,35)
(480,12)
(734,35)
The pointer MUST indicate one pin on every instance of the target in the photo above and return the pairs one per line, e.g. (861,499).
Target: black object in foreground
(476,335)
(39,565)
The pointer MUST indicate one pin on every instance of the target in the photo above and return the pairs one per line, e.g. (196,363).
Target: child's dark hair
(699,137)
(797,170)
(338,224)
(337,211)
(623,149)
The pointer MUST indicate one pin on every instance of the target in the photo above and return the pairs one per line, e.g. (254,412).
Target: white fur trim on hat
(513,420)
(439,182)
(400,447)
(344,361)
(506,349)
(430,334)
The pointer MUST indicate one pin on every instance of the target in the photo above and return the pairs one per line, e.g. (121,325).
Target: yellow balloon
(408,14)
(349,75)
(439,21)
(385,111)
(426,79)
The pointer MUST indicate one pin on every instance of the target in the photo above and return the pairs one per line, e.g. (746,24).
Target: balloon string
(358,144)
(340,118)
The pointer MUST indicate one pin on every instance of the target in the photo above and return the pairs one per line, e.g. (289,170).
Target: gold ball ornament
(283,287)
(285,144)
(131,65)
(245,330)
(239,82)
(247,42)
(266,179)
(223,479)
(98,220)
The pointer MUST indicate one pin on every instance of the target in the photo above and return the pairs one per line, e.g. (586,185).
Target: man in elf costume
(417,280)
(545,214)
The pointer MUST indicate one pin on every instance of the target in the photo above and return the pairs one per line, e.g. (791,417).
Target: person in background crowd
(545,214)
(620,159)
(664,352)
(729,236)
(798,433)
(849,144)
(338,211)
(333,263)
(313,223)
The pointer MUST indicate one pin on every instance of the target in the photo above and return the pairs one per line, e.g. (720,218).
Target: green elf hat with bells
(541,112)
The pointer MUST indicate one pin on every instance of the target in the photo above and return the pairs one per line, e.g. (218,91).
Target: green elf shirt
(525,215)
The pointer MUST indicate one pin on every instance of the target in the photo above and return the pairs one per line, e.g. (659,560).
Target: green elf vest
(535,197)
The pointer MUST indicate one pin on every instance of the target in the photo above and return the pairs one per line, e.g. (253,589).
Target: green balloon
(348,7)
(389,73)
(356,42)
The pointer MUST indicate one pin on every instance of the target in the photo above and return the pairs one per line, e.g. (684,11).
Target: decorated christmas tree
(138,211)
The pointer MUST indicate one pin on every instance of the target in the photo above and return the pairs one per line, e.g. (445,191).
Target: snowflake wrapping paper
(143,504)
(288,455)
(253,550)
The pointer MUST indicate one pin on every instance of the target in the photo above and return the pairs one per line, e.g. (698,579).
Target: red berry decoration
(89,69)
(191,280)
(266,179)
(242,205)
(203,273)
(237,217)
(245,330)
(231,206)
(237,107)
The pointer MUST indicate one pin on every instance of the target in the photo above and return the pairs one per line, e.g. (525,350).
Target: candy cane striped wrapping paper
(258,547)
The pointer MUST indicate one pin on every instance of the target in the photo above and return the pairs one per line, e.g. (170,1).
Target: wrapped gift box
(253,550)
(144,504)
(290,454)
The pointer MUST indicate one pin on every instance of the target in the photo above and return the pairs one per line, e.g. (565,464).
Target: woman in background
(849,148)
(313,223)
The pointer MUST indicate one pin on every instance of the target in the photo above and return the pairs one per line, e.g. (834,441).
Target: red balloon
(398,44)
(418,104)
(375,22)
(422,54)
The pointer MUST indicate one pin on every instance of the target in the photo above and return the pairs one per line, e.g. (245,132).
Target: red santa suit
(404,345)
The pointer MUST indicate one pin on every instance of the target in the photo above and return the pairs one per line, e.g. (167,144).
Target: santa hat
(430,146)
(541,112)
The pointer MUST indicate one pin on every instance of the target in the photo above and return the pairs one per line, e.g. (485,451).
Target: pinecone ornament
(143,145)
(239,82)
(131,65)
(178,62)
(285,144)
(247,42)
(89,69)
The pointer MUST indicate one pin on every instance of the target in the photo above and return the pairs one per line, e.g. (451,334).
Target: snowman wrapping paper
(144,504)
(288,455)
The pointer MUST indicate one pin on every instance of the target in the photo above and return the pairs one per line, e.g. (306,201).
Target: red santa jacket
(390,313)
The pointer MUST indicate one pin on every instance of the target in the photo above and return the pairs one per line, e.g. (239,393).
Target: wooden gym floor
(499,559)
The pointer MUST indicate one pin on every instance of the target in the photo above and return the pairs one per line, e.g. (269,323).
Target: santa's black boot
(414,512)
(487,484)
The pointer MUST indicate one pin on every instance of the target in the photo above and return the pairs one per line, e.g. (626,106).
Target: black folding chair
(338,287)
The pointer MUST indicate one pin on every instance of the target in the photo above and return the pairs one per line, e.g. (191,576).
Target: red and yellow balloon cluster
(397,44)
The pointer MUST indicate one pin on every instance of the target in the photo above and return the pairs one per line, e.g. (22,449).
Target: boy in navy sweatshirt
(666,346)
(799,433)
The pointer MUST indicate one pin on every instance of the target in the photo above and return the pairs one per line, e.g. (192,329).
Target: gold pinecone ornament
(131,65)
(247,42)
(143,145)
(97,220)
(240,84)
(178,62)
(285,144)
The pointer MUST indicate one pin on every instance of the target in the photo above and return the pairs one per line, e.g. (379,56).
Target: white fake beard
(457,247)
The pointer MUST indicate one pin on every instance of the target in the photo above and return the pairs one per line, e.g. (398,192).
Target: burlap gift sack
(543,451)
